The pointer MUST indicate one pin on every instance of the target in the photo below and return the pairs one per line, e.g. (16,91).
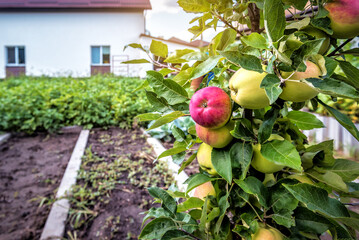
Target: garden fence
(344,142)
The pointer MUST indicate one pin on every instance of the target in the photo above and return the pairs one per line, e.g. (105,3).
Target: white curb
(4,137)
(159,148)
(55,223)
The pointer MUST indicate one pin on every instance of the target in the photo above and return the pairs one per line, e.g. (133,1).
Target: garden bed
(31,170)
(111,190)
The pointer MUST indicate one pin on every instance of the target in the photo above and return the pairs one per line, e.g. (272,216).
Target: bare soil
(118,214)
(31,169)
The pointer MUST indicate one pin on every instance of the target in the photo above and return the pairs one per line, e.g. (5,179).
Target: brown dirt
(118,215)
(31,167)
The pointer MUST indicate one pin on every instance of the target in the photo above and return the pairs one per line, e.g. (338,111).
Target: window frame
(101,55)
(17,59)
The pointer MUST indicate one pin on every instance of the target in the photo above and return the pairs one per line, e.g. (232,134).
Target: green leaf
(317,200)
(159,48)
(266,128)
(299,24)
(148,117)
(168,89)
(156,213)
(271,84)
(168,202)
(241,156)
(325,148)
(334,87)
(194,6)
(177,56)
(308,221)
(255,40)
(329,178)
(245,61)
(322,24)
(349,221)
(134,61)
(304,120)
(178,134)
(274,19)
(284,218)
(281,198)
(171,151)
(205,67)
(353,51)
(190,203)
(156,228)
(282,153)
(196,180)
(187,162)
(228,36)
(348,170)
(196,56)
(252,185)
(351,72)
(221,161)
(134,45)
(343,119)
(307,49)
(175,235)
(330,65)
(165,71)
(166,119)
(158,103)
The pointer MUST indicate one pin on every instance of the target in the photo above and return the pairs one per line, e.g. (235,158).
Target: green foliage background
(37,104)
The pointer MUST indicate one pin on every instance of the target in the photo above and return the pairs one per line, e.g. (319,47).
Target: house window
(100,55)
(15,56)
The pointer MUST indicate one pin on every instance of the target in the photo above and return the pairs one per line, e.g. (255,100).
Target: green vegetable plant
(30,104)
(293,190)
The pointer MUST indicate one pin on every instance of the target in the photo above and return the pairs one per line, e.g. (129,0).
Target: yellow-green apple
(210,107)
(246,91)
(203,190)
(295,89)
(266,233)
(293,42)
(204,158)
(219,137)
(344,16)
(262,164)
(195,83)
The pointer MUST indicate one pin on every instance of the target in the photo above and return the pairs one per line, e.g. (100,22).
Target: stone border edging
(159,148)
(4,137)
(55,224)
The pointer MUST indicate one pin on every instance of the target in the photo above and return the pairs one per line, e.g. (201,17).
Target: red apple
(210,107)
(344,16)
(195,83)
(217,138)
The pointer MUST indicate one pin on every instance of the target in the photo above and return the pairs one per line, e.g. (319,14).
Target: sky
(167,19)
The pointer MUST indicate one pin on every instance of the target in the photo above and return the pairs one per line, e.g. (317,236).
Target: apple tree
(249,92)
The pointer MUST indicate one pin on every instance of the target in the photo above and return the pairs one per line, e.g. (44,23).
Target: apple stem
(340,47)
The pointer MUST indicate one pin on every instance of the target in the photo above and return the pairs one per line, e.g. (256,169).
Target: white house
(69,37)
(75,37)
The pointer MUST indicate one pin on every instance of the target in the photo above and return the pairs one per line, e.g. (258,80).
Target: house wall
(59,43)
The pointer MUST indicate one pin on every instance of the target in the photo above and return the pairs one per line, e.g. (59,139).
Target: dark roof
(196,43)
(75,4)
